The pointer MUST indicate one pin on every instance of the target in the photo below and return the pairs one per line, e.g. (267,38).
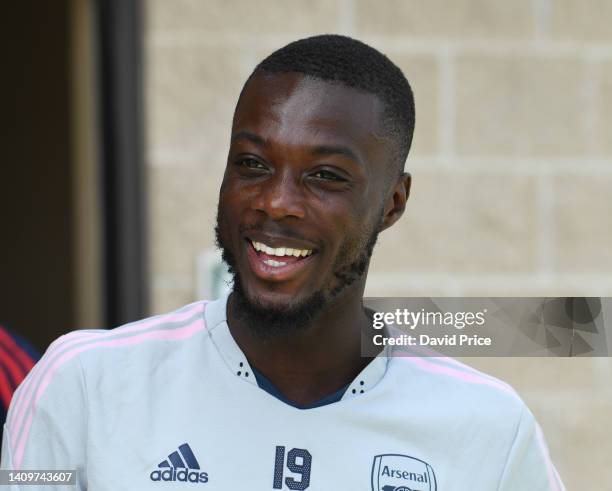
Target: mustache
(269,228)
(272,229)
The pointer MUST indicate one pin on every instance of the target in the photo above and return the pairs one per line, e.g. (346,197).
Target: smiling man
(267,388)
(315,171)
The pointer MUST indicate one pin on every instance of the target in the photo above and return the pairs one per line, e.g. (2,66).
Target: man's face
(301,201)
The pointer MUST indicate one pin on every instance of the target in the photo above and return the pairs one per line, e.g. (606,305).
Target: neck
(316,361)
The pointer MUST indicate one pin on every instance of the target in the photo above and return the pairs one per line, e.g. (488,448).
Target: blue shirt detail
(265,384)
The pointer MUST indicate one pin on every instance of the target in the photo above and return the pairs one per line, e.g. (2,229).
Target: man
(267,389)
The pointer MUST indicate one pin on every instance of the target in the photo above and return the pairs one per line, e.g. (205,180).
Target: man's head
(315,171)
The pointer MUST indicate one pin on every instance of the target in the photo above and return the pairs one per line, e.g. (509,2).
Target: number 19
(299,462)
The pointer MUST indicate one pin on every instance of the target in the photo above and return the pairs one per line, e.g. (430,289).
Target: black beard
(268,322)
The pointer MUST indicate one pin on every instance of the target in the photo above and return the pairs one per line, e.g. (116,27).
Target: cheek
(350,217)
(238,196)
(227,217)
(357,234)
(232,198)
(347,229)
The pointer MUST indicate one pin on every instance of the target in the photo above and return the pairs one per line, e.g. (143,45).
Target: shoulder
(77,353)
(141,340)
(458,390)
(78,364)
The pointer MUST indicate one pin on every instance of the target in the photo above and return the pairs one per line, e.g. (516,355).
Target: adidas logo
(182,466)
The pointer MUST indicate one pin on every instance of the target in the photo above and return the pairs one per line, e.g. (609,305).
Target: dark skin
(307,169)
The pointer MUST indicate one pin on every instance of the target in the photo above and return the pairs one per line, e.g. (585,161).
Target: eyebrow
(253,138)
(317,150)
(336,150)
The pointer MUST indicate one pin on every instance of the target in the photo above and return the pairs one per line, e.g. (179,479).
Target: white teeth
(281,251)
(272,262)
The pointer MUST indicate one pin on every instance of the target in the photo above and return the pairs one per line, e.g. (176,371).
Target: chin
(271,314)
(275,300)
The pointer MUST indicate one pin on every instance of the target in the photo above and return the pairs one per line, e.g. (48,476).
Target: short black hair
(341,59)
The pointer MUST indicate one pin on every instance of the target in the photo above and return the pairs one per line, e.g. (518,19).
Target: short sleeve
(46,426)
(529,466)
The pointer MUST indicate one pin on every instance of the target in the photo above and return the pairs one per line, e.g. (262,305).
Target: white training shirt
(171,403)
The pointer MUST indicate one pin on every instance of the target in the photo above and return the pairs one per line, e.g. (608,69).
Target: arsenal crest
(395,472)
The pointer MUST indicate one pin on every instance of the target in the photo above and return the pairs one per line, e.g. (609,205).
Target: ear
(396,202)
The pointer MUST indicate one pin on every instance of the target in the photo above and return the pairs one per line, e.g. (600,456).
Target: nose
(280,197)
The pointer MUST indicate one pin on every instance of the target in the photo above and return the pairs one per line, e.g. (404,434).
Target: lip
(277,273)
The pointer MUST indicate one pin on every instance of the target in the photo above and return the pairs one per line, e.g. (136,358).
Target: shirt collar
(236,361)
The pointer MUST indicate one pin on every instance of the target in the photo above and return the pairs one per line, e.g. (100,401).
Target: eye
(253,164)
(328,175)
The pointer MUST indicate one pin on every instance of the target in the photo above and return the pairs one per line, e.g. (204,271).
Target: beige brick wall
(512,163)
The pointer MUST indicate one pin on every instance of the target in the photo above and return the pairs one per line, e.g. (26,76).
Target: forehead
(294,109)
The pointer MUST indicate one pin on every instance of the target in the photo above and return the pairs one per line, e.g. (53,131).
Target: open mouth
(279,256)
(277,263)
